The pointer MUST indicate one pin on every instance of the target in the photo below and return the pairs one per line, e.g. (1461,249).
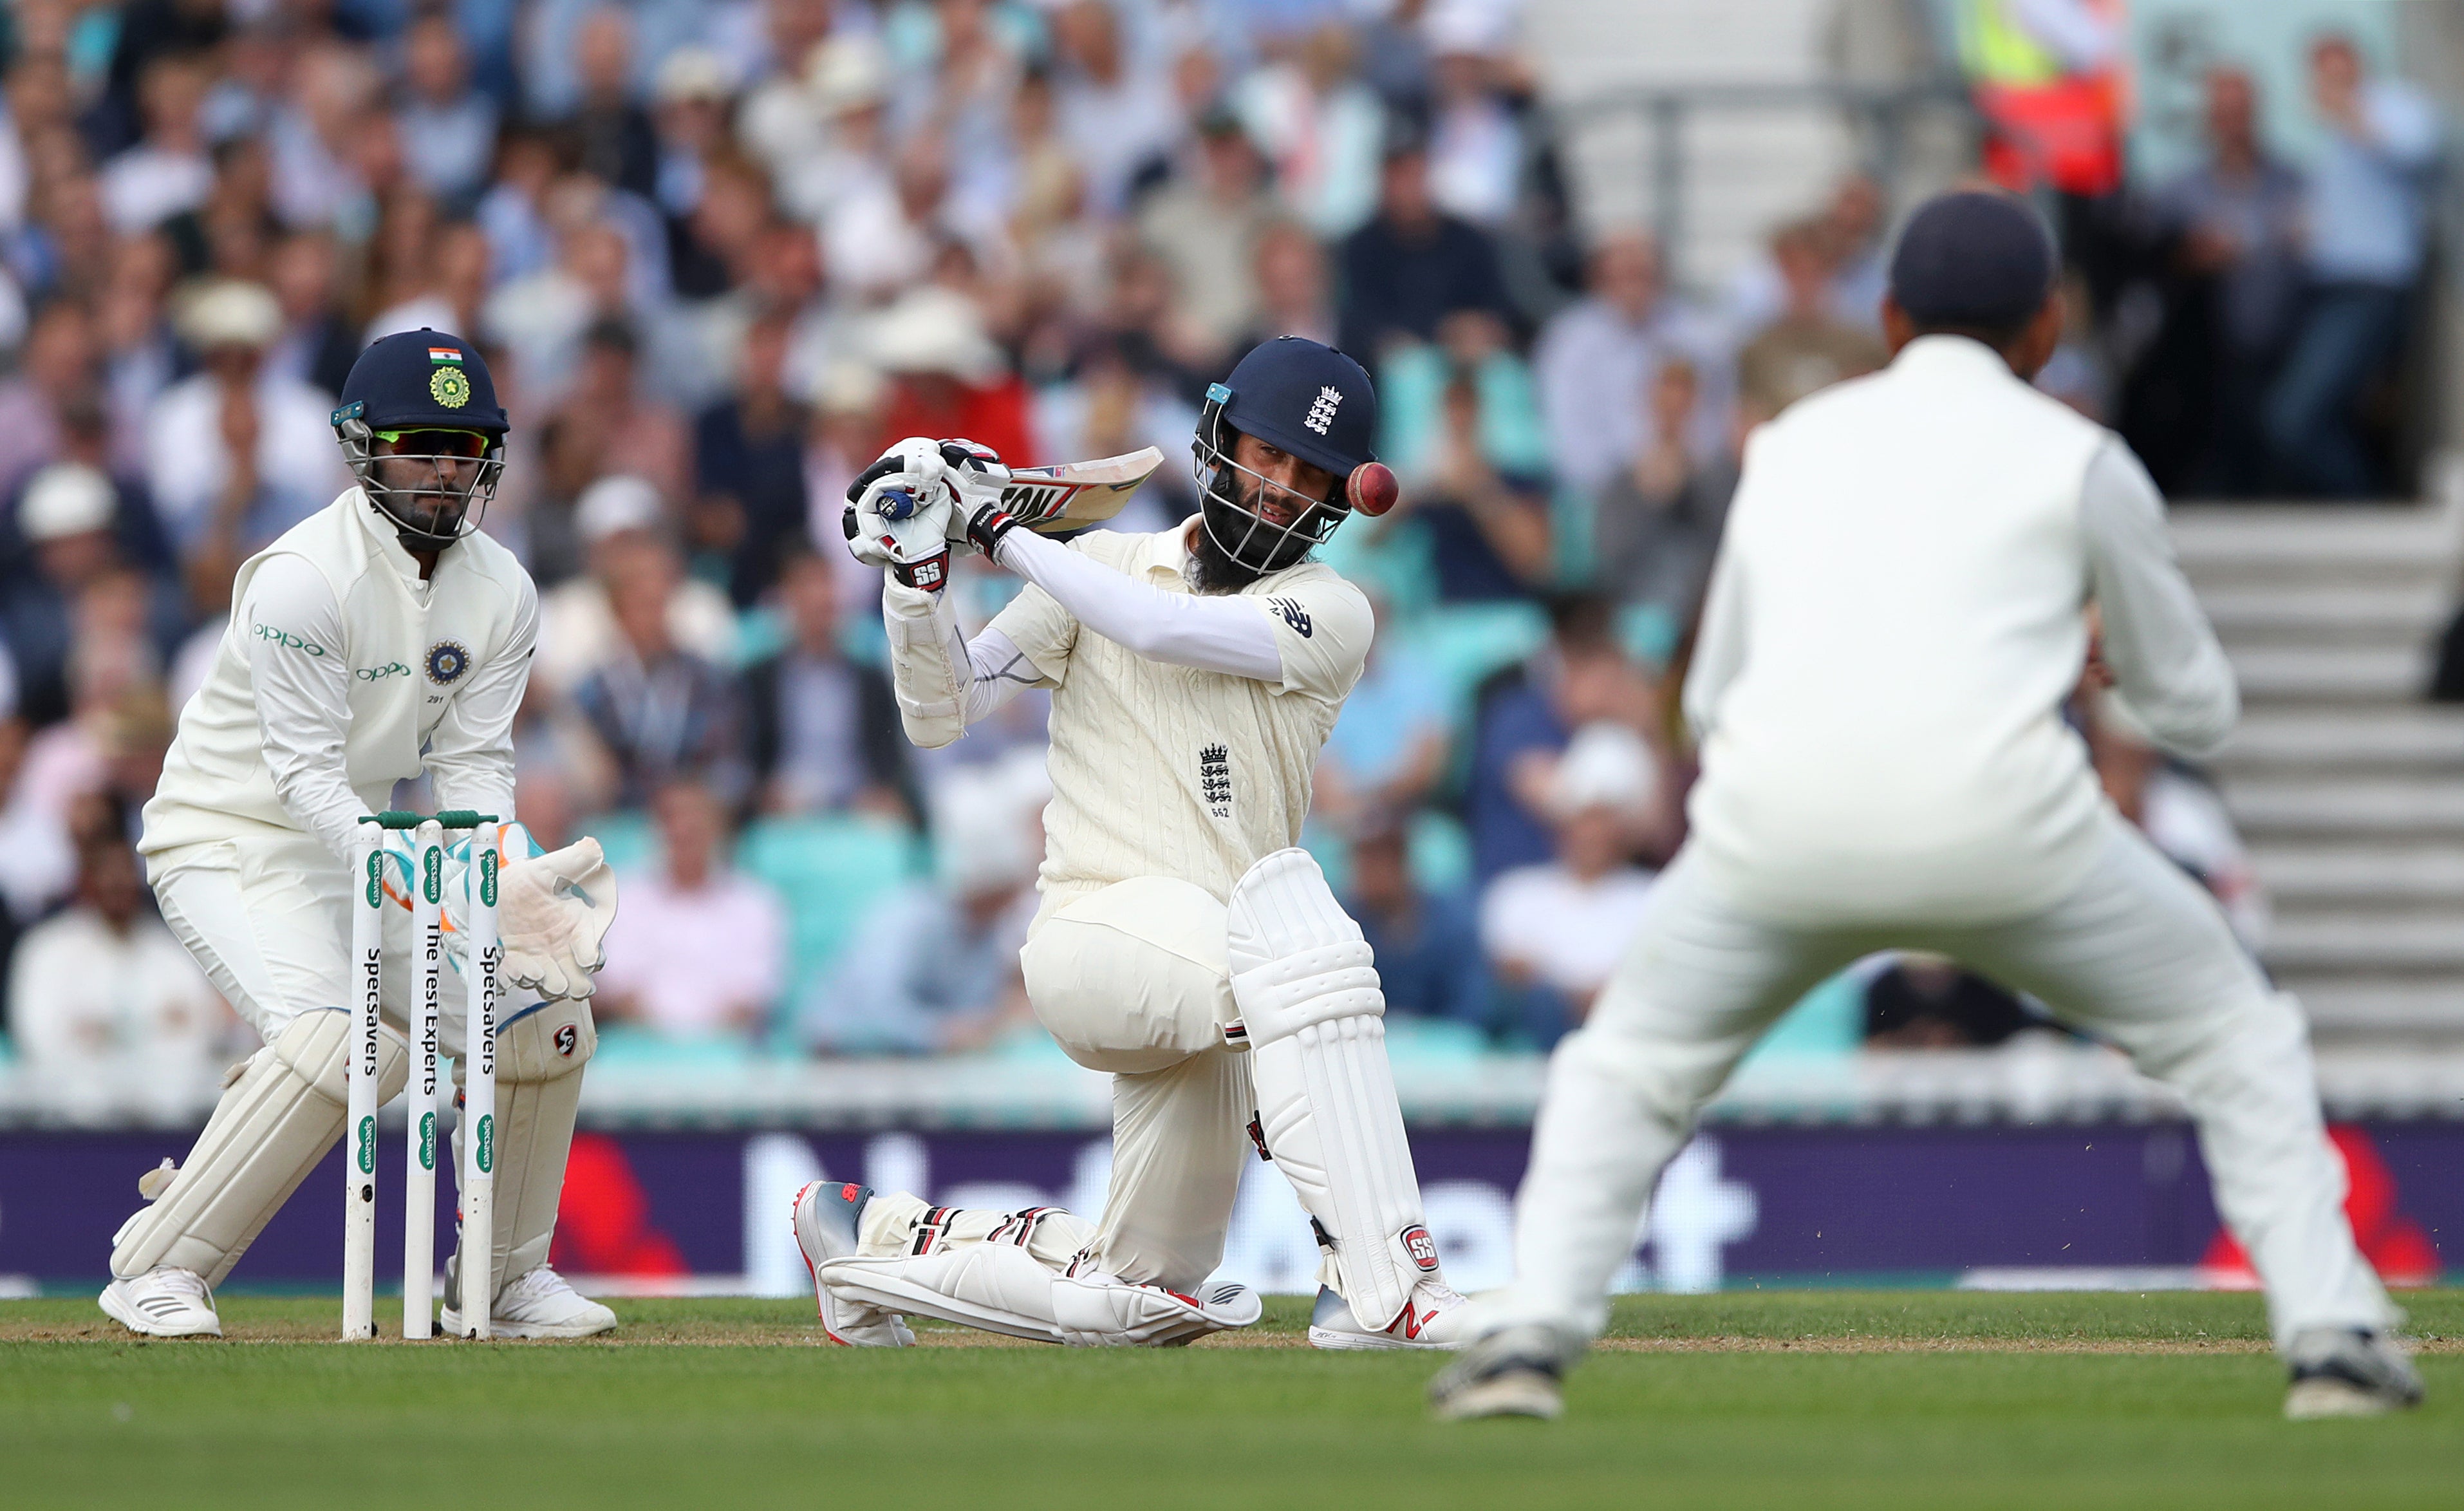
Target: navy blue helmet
(420,427)
(1305,399)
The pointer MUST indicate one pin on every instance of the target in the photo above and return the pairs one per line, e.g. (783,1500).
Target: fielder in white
(1184,944)
(1894,621)
(381,636)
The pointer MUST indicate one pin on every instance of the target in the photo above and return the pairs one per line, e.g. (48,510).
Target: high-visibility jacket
(2046,123)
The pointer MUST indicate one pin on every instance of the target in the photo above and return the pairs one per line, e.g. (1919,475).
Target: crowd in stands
(718,253)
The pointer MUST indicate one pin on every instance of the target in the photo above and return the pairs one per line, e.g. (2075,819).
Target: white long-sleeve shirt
(1892,625)
(342,673)
(1185,726)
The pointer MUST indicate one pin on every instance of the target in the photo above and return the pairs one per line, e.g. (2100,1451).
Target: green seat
(627,838)
(828,870)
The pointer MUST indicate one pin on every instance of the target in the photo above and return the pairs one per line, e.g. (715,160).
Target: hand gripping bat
(1067,496)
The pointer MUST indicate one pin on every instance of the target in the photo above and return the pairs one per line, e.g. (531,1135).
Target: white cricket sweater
(1892,625)
(338,667)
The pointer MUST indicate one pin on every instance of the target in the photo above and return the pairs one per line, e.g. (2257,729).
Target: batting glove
(898,514)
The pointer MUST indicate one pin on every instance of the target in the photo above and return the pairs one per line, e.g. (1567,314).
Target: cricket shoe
(1514,1371)
(827,1215)
(2349,1371)
(539,1304)
(1436,1317)
(166,1301)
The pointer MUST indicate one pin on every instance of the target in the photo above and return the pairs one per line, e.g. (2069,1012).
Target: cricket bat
(1066,496)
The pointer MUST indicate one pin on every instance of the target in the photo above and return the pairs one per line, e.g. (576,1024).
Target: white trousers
(2137,953)
(1135,980)
(268,920)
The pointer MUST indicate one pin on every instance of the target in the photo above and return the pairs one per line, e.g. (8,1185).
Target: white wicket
(477,1175)
(360,1098)
(419,1147)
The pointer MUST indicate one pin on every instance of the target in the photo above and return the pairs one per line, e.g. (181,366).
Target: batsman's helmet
(1310,401)
(431,391)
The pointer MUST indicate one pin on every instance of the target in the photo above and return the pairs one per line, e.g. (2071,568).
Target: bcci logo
(1422,1248)
(1320,415)
(447,662)
(448,386)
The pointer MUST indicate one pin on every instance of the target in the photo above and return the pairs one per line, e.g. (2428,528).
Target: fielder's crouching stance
(1183,943)
(382,626)
(1894,621)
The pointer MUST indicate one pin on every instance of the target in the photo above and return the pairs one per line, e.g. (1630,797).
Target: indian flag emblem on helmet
(450,387)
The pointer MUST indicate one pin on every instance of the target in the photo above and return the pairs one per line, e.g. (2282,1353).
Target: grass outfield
(1899,1400)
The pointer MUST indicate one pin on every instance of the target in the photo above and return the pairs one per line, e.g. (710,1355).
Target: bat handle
(897,504)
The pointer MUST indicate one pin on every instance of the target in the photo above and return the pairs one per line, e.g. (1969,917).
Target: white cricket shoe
(825,1215)
(2347,1371)
(1434,1318)
(539,1304)
(166,1301)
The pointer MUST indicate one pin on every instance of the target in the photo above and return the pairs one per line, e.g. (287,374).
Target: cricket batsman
(382,636)
(1184,944)
(1895,620)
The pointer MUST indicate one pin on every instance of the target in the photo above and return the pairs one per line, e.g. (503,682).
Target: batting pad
(1001,1288)
(1308,991)
(539,1056)
(268,1131)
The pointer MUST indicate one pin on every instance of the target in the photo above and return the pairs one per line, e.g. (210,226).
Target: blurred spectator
(1807,346)
(1292,299)
(1322,128)
(822,731)
(1475,144)
(2048,77)
(318,341)
(453,121)
(782,119)
(318,138)
(231,233)
(58,366)
(2181,813)
(1488,533)
(1857,266)
(1928,1002)
(1206,227)
(1556,931)
(2367,216)
(606,416)
(621,531)
(618,144)
(2232,233)
(1427,945)
(935,968)
(1389,744)
(691,125)
(456,292)
(702,954)
(1524,717)
(167,171)
(1118,115)
(1596,359)
(947,377)
(67,516)
(238,453)
(659,712)
(1412,265)
(1660,519)
(749,450)
(105,1006)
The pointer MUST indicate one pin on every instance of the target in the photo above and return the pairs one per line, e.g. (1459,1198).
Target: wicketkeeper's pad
(1306,987)
(539,1056)
(275,1119)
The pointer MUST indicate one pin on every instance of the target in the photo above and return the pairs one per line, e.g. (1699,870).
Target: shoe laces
(538,1280)
(180,1282)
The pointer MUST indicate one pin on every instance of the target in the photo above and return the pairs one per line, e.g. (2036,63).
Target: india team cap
(1973,259)
(421,380)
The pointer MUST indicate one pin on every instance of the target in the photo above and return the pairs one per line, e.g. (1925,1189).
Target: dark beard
(1213,570)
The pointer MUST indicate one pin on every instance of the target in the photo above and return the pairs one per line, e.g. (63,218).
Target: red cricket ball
(1372,488)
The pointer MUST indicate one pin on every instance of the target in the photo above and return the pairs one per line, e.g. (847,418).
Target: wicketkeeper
(382,636)
(1184,944)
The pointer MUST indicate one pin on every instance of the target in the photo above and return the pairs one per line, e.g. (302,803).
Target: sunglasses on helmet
(469,445)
